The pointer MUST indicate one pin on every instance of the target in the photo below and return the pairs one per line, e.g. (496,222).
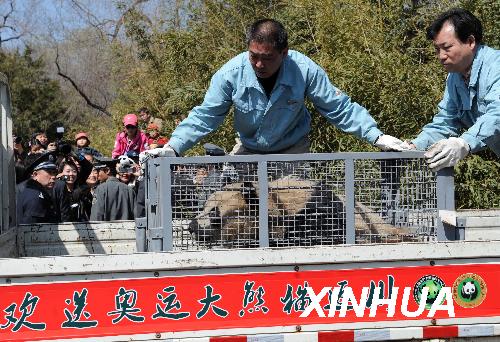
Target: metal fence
(294,200)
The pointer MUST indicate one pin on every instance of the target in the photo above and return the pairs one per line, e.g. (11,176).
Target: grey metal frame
(7,176)
(159,215)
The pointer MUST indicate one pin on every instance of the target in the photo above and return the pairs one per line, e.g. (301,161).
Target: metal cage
(294,200)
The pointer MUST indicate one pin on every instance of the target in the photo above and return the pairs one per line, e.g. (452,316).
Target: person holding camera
(84,196)
(65,184)
(73,173)
(127,170)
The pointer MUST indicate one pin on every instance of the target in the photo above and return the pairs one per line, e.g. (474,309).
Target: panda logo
(469,290)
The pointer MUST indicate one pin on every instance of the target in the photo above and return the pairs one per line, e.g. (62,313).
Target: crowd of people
(62,181)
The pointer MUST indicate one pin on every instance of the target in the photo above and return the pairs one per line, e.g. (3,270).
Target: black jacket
(114,200)
(34,204)
(62,202)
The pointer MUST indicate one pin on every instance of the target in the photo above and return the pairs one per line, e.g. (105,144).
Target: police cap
(46,161)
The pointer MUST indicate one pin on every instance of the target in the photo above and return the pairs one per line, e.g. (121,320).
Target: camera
(59,132)
(64,178)
(63,147)
(18,140)
(125,165)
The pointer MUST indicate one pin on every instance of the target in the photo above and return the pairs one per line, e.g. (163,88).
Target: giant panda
(299,212)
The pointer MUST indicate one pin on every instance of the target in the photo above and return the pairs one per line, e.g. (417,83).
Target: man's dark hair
(143,109)
(464,22)
(268,31)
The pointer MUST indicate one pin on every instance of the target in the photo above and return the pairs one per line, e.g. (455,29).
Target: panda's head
(225,215)
(469,290)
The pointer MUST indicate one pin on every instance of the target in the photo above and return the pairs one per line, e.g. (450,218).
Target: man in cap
(113,200)
(34,203)
(82,142)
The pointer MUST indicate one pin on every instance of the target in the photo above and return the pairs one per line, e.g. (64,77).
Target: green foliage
(375,51)
(37,101)
(476,182)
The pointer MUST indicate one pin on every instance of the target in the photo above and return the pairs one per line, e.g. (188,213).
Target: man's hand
(389,143)
(446,153)
(408,145)
(165,151)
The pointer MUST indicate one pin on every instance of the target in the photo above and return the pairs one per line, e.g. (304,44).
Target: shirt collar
(476,66)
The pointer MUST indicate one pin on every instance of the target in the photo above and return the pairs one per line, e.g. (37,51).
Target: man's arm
(444,124)
(338,108)
(205,118)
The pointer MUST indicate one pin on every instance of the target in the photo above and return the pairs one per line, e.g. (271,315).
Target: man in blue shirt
(267,86)
(469,113)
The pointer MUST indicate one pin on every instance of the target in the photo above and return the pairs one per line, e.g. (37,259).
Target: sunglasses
(130,127)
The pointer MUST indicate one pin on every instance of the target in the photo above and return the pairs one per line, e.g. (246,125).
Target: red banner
(250,300)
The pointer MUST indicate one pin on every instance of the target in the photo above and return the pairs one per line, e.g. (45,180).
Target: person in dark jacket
(114,200)
(34,203)
(84,196)
(73,172)
(63,189)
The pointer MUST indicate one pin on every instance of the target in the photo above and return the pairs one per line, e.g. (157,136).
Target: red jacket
(123,145)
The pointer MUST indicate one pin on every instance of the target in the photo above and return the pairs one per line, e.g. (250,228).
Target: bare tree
(85,57)
(8,28)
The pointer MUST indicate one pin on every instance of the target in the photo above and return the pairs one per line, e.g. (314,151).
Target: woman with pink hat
(130,139)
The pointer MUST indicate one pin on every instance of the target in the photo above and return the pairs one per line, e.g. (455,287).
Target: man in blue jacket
(469,113)
(267,86)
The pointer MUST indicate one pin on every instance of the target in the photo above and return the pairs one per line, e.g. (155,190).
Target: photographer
(84,195)
(63,189)
(127,171)
(35,146)
(73,174)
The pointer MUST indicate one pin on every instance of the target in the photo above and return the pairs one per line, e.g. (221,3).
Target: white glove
(165,151)
(446,153)
(408,145)
(389,143)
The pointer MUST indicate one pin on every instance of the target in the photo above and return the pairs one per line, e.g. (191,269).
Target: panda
(300,212)
(469,290)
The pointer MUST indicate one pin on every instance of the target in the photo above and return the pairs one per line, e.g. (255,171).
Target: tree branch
(121,20)
(80,91)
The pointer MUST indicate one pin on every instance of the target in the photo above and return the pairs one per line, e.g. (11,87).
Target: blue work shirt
(280,121)
(474,108)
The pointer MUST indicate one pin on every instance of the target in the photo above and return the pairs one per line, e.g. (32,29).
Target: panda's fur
(299,212)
